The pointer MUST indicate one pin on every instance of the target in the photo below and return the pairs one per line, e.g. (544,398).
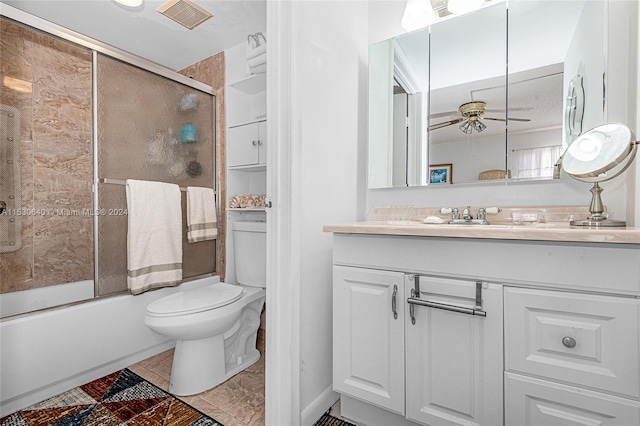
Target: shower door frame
(96,47)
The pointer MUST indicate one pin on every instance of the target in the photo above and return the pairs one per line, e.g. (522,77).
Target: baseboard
(312,412)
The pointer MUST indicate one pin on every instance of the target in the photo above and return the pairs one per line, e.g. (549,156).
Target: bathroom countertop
(551,231)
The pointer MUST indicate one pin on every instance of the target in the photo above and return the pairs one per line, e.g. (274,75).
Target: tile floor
(237,402)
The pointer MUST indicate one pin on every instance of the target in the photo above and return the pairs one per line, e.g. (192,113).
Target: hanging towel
(201,214)
(154,235)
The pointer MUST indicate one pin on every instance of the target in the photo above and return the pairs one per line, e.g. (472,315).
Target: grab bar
(444,306)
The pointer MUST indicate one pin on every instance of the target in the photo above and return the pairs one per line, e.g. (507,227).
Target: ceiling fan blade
(510,109)
(445,124)
(443,114)
(503,119)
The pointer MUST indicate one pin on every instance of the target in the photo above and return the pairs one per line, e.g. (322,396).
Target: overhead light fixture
(129,3)
(417,14)
(466,127)
(478,126)
(458,7)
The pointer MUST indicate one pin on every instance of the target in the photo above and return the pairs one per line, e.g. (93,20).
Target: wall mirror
(441,97)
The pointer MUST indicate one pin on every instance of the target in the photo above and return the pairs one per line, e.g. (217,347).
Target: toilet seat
(196,300)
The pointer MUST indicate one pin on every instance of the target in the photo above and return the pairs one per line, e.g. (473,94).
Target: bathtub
(45,353)
(45,297)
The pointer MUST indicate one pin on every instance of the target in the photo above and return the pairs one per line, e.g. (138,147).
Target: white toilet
(216,326)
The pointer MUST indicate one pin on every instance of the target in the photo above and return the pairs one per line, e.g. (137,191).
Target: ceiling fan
(471,113)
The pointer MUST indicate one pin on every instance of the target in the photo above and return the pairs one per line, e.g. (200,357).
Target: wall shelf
(248,209)
(249,168)
(251,85)
(244,123)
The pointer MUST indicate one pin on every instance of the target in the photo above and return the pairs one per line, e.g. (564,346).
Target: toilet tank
(250,250)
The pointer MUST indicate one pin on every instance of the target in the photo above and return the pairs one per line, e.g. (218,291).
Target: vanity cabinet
(247,144)
(368,338)
(571,358)
(454,360)
(559,345)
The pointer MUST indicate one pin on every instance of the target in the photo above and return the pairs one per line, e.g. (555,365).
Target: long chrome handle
(444,306)
(393,302)
(412,312)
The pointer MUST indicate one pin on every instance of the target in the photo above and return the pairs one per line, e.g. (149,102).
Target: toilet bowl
(215,326)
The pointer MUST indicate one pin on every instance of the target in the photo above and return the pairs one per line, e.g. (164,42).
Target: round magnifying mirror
(598,155)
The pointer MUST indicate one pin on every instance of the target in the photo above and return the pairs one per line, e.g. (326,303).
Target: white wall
(618,194)
(332,90)
(317,159)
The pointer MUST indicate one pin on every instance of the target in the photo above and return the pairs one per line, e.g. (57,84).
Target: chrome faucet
(467,217)
(466,213)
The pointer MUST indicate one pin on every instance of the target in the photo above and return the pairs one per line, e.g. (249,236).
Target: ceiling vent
(185,13)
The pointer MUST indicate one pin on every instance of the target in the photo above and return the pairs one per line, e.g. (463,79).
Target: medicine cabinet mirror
(442,95)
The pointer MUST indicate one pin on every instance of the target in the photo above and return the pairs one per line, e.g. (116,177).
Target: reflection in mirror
(468,93)
(556,67)
(398,87)
(556,63)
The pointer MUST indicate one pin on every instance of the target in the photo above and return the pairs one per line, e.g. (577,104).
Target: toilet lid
(196,300)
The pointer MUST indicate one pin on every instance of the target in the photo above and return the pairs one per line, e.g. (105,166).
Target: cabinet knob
(569,342)
(254,143)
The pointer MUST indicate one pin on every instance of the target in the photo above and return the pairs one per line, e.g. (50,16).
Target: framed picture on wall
(440,173)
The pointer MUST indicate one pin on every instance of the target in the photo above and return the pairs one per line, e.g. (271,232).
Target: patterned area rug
(328,420)
(121,398)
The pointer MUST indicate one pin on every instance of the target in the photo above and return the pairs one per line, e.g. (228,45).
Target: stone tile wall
(56,165)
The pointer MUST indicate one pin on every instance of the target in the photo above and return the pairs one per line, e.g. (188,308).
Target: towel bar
(121,182)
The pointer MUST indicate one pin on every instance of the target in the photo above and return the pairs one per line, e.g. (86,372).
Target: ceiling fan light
(417,14)
(466,127)
(479,126)
(458,7)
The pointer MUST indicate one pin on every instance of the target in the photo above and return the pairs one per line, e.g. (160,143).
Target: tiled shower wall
(211,71)
(55,158)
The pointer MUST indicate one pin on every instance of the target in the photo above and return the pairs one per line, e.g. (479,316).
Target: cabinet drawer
(534,402)
(580,339)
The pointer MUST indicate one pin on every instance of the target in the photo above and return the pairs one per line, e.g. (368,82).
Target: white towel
(258,69)
(258,60)
(154,235)
(201,214)
(252,52)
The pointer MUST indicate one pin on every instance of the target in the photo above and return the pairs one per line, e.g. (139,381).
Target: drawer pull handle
(393,302)
(569,342)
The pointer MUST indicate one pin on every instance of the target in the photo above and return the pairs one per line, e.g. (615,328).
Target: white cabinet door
(454,360)
(534,402)
(368,339)
(262,142)
(247,144)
